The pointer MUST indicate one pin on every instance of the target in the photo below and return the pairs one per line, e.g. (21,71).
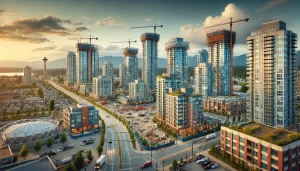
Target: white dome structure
(28,131)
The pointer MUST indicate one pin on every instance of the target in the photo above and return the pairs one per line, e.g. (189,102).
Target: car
(91,159)
(201,160)
(89,142)
(207,162)
(109,141)
(208,166)
(82,143)
(200,157)
(181,164)
(214,166)
(52,152)
(92,138)
(70,146)
(55,162)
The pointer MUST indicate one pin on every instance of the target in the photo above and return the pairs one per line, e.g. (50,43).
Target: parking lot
(141,122)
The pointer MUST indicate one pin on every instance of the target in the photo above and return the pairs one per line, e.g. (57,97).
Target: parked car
(55,162)
(214,166)
(201,160)
(52,152)
(91,159)
(208,166)
(181,164)
(207,162)
(82,143)
(70,146)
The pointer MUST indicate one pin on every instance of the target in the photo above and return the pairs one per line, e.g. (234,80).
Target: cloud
(44,48)
(109,48)
(77,24)
(34,30)
(81,29)
(196,33)
(148,19)
(109,21)
(272,4)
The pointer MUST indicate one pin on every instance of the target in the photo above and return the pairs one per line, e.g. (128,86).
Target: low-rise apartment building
(225,104)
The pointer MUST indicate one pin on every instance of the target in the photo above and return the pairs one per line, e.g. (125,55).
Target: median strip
(119,146)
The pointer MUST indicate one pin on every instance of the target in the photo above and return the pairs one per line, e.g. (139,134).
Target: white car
(214,166)
(201,160)
(82,143)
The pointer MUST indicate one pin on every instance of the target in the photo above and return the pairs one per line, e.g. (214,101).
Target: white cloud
(109,21)
(272,4)
(148,19)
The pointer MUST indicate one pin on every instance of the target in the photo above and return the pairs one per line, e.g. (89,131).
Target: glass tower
(87,63)
(202,56)
(271,75)
(219,56)
(204,80)
(71,67)
(177,58)
(149,70)
(108,70)
(131,65)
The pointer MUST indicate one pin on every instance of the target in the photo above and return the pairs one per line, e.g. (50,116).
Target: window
(228,142)
(227,134)
(241,139)
(241,155)
(275,162)
(274,152)
(264,148)
(263,165)
(234,144)
(234,151)
(255,145)
(255,153)
(293,160)
(234,136)
(241,147)
(286,154)
(264,157)
(227,148)
(293,151)
(286,163)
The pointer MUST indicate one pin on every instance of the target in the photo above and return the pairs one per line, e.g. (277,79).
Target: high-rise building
(177,58)
(202,56)
(27,75)
(108,70)
(219,56)
(149,70)
(122,75)
(191,113)
(298,84)
(204,75)
(103,87)
(131,65)
(138,89)
(87,63)
(272,75)
(163,84)
(71,67)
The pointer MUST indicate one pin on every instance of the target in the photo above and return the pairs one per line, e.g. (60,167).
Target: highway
(133,159)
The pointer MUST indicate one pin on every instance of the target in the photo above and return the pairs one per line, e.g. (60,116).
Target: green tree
(51,105)
(232,159)
(40,93)
(213,148)
(63,137)
(244,88)
(38,145)
(174,164)
(224,155)
(49,142)
(78,162)
(15,158)
(70,167)
(89,154)
(99,149)
(24,151)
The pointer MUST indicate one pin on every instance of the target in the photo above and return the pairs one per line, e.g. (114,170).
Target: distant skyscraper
(163,84)
(103,87)
(108,70)
(219,56)
(149,70)
(202,56)
(177,58)
(87,62)
(71,67)
(27,75)
(272,75)
(204,80)
(138,89)
(122,75)
(45,67)
(131,65)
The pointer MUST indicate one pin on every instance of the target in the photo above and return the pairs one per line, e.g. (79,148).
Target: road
(131,159)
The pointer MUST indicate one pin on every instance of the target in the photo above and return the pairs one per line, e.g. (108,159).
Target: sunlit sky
(32,29)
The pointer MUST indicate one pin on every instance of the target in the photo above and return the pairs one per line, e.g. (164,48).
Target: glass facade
(71,67)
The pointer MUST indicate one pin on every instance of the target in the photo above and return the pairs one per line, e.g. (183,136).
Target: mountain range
(116,61)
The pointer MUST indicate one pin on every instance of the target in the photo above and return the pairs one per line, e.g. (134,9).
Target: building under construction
(131,65)
(219,56)
(87,60)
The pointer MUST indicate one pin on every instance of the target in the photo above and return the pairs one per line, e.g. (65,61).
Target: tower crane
(79,39)
(230,48)
(128,41)
(148,27)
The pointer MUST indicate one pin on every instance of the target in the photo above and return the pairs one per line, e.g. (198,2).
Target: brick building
(262,147)
(225,104)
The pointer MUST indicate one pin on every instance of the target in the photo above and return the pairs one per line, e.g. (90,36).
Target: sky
(32,29)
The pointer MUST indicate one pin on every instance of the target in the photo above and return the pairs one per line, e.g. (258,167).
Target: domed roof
(28,129)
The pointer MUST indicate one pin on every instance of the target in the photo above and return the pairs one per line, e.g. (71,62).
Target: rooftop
(176,93)
(5,151)
(278,136)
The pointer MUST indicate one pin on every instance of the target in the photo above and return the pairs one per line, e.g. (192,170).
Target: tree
(38,145)
(99,149)
(51,105)
(213,148)
(174,164)
(15,158)
(244,88)
(232,159)
(24,151)
(89,154)
(49,142)
(224,155)
(239,117)
(40,93)
(70,167)
(78,162)
(63,137)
